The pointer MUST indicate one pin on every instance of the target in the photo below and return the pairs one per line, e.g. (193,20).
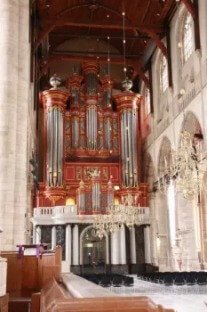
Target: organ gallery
(91,160)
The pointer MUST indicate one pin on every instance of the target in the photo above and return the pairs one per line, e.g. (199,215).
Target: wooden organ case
(92,150)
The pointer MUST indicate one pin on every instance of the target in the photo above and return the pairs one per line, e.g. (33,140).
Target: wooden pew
(28,274)
(55,299)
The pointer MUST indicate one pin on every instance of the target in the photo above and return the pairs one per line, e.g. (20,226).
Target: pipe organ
(90,146)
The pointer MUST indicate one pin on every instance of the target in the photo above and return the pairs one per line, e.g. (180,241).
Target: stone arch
(85,230)
(188,212)
(191,124)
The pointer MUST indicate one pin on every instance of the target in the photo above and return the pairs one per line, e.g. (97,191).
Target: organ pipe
(127,103)
(55,147)
(81,197)
(107,133)
(54,103)
(91,129)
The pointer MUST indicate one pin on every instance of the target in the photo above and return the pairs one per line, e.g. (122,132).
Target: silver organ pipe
(107,133)
(91,122)
(60,149)
(127,103)
(54,103)
(55,146)
(81,197)
(134,146)
(75,132)
(130,154)
(110,194)
(95,196)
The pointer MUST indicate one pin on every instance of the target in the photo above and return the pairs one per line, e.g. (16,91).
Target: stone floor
(181,298)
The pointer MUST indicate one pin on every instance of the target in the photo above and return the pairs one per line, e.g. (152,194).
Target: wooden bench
(54,298)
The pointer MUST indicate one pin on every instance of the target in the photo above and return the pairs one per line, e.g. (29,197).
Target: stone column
(75,245)
(23,103)
(115,248)
(38,234)
(122,245)
(53,238)
(34,234)
(147,250)
(132,246)
(68,244)
(14,93)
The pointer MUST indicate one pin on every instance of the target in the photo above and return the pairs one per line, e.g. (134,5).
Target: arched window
(147,103)
(188,37)
(164,83)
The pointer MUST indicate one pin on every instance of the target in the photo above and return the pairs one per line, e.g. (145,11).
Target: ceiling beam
(140,72)
(167,8)
(158,42)
(114,37)
(53,23)
(95,53)
(80,58)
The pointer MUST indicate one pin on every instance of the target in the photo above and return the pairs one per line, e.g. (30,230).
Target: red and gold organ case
(87,130)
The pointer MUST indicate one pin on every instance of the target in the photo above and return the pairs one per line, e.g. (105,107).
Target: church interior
(103,201)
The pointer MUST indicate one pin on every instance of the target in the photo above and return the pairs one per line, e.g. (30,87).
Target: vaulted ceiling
(66,31)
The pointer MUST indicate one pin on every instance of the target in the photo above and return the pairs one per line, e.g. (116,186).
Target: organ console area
(90,155)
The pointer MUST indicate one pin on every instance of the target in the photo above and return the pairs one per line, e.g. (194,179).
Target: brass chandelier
(117,216)
(186,168)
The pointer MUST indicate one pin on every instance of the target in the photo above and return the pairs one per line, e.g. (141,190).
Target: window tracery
(188,37)
(147,103)
(164,82)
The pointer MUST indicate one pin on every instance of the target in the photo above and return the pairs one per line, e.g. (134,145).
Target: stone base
(136,268)
(119,268)
(4,303)
(149,268)
(142,268)
(76,269)
(115,268)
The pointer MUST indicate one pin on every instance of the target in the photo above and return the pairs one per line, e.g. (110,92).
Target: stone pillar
(122,245)
(68,244)
(53,238)
(38,234)
(132,246)
(23,103)
(115,248)
(75,245)
(147,250)
(14,99)
(34,234)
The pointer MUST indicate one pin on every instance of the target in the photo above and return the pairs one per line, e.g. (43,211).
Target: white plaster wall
(192,76)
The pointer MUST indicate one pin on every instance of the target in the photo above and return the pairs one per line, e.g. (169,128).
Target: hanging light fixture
(117,216)
(187,165)
(126,83)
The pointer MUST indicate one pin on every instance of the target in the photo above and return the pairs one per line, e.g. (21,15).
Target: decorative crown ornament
(55,82)
(127,84)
